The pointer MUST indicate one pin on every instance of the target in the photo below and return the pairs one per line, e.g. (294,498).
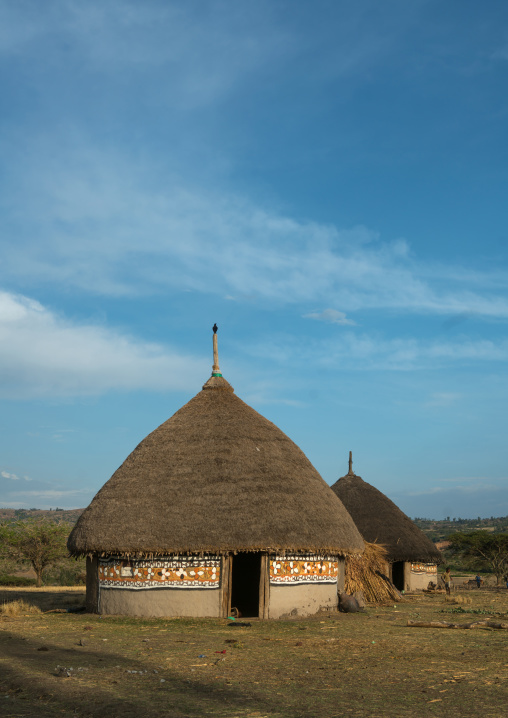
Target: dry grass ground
(368,664)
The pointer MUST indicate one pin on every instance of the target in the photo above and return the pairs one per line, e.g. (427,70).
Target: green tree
(39,542)
(481,550)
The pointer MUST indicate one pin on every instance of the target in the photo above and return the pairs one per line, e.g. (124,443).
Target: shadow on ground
(29,686)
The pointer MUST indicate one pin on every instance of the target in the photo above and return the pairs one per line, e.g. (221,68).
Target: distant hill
(70,516)
(439,530)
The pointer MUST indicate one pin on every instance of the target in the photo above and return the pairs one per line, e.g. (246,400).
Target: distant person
(447,578)
(478,580)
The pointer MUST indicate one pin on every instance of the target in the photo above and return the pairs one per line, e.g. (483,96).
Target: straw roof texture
(216,477)
(379,520)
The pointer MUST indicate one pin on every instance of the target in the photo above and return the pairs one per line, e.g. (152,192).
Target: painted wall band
(303,568)
(174,572)
(430,568)
(204,572)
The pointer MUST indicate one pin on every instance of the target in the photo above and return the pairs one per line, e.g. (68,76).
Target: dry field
(369,664)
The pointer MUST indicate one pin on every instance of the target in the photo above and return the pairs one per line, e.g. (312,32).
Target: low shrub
(65,575)
(458,599)
(18,581)
(18,608)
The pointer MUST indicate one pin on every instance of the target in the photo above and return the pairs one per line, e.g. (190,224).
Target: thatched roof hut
(217,478)
(379,520)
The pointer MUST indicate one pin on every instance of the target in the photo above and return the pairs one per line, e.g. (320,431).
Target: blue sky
(327,181)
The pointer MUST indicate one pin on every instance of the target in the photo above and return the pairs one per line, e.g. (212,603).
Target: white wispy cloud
(470,498)
(103,224)
(44,354)
(54,493)
(22,491)
(420,353)
(196,56)
(330,316)
(204,50)
(501,53)
(262,398)
(371,352)
(463,485)
(443,399)
(8,475)
(46,498)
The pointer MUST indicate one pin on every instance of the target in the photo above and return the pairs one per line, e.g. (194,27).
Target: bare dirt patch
(367,664)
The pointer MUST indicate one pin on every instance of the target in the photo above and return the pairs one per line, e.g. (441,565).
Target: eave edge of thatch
(155,554)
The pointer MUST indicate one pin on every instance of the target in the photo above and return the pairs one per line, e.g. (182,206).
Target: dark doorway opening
(398,575)
(245,582)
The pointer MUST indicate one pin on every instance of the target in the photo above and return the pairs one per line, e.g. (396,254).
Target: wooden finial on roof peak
(215,367)
(351,472)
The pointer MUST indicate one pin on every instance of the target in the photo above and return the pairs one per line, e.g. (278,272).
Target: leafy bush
(7,580)
(38,541)
(67,572)
(478,550)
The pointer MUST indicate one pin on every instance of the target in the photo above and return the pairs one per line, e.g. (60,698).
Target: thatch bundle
(367,573)
(379,520)
(217,477)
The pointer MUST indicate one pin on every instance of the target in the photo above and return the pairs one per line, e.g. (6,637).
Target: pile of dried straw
(367,573)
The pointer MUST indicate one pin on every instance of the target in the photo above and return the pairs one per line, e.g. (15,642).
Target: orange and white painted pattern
(430,568)
(173,572)
(300,568)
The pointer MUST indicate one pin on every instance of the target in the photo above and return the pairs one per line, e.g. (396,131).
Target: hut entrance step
(245,583)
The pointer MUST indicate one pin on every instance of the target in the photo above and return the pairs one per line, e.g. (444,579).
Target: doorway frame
(227,585)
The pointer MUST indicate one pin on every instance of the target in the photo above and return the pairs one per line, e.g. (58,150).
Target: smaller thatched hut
(412,557)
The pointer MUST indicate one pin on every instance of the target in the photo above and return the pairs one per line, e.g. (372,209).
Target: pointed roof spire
(215,367)
(216,381)
(350,472)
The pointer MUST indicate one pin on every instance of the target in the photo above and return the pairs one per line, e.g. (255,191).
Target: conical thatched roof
(216,477)
(379,520)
